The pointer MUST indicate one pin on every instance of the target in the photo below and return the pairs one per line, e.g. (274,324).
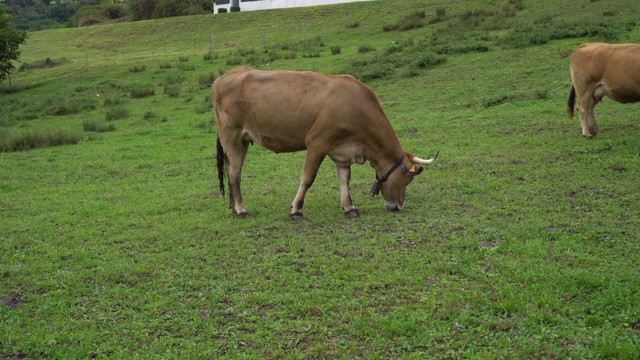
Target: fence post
(212,44)
(304,28)
(264,38)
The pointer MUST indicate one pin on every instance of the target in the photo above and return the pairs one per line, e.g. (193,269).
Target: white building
(250,5)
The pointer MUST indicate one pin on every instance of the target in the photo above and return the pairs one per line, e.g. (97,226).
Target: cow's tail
(220,161)
(571,103)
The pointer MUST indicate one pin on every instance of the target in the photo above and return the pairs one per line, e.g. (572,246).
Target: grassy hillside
(520,242)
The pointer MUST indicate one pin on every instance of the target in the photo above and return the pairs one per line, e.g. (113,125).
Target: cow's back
(279,108)
(616,66)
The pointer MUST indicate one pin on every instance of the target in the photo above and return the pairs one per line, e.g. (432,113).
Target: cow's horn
(417,160)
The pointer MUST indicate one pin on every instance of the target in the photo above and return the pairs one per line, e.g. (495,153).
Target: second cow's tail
(571,103)
(220,161)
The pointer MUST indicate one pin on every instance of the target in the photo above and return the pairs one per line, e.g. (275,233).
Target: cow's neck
(383,159)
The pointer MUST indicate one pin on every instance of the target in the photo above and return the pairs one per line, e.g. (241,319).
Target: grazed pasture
(520,243)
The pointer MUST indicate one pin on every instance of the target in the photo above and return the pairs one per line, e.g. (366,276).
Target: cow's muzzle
(393,207)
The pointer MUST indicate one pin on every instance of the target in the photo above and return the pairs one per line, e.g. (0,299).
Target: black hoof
(352,214)
(296,216)
(243,215)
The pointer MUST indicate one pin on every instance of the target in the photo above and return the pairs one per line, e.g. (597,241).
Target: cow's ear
(413,170)
(416,170)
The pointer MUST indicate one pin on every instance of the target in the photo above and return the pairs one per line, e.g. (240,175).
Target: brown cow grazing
(335,116)
(597,70)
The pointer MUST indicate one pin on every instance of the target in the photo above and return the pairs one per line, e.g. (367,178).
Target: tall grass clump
(42,64)
(172,90)
(97,126)
(365,49)
(205,106)
(412,21)
(142,91)
(137,68)
(352,24)
(206,80)
(211,55)
(186,67)
(32,139)
(60,106)
(406,58)
(541,33)
(233,60)
(112,100)
(116,113)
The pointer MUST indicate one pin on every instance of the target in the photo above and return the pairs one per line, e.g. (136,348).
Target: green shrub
(460,49)
(42,64)
(370,68)
(234,9)
(97,126)
(335,50)
(234,60)
(222,11)
(35,139)
(149,115)
(542,33)
(137,68)
(63,106)
(311,54)
(204,107)
(165,65)
(112,100)
(428,60)
(206,80)
(211,55)
(114,12)
(174,79)
(365,49)
(116,113)
(186,67)
(183,58)
(412,21)
(172,90)
(142,91)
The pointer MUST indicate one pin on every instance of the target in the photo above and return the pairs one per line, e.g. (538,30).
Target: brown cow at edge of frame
(597,70)
(327,115)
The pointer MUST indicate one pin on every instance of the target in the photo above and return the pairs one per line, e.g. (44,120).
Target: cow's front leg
(311,166)
(344,176)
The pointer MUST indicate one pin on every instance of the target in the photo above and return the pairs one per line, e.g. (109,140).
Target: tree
(10,40)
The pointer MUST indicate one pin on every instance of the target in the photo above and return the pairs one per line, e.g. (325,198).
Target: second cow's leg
(591,117)
(344,176)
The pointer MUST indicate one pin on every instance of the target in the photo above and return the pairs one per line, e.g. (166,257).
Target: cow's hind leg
(235,153)
(311,166)
(598,94)
(344,175)
(585,108)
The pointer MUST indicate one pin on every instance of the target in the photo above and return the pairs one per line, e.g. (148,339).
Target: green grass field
(521,242)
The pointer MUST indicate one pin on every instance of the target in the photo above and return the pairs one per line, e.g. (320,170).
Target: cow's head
(394,183)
